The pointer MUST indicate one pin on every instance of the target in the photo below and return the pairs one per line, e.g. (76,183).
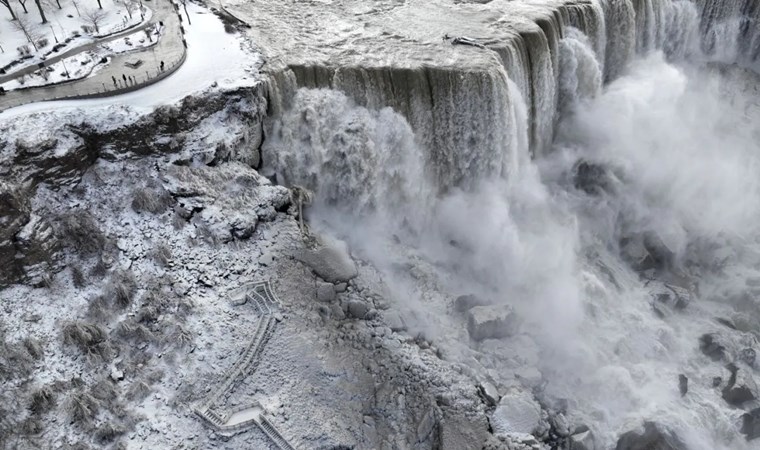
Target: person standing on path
(162,66)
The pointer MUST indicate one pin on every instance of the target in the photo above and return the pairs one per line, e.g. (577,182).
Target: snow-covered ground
(62,24)
(84,64)
(78,66)
(134,41)
(232,66)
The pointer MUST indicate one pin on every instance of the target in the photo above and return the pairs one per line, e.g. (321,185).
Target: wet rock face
(592,178)
(751,424)
(709,345)
(668,299)
(653,437)
(646,251)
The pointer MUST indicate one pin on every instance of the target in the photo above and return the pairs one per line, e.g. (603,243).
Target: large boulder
(653,436)
(330,261)
(491,322)
(518,412)
(464,303)
(581,439)
(741,387)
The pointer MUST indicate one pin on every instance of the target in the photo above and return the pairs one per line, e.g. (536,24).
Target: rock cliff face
(188,131)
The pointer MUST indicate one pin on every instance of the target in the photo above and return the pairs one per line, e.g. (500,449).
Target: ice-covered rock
(518,412)
(652,436)
(491,322)
(489,392)
(330,261)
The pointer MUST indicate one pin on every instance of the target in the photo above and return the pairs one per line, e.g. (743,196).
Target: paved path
(74,51)
(170,49)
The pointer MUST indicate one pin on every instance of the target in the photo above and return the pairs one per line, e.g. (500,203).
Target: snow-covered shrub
(152,200)
(82,407)
(129,330)
(24,50)
(89,338)
(122,289)
(108,432)
(42,400)
(162,254)
(138,390)
(77,277)
(42,42)
(99,308)
(80,230)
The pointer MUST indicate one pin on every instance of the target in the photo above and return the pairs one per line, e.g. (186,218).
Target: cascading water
(649,183)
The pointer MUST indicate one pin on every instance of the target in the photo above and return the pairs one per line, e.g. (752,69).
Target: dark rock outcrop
(711,347)
(28,248)
(683,384)
(751,424)
(592,178)
(741,387)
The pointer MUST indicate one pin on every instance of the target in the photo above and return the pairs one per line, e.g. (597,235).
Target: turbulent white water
(676,149)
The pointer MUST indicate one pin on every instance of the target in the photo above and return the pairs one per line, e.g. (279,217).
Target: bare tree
(76,6)
(100,6)
(42,13)
(129,5)
(94,17)
(52,3)
(31,30)
(23,5)
(7,4)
